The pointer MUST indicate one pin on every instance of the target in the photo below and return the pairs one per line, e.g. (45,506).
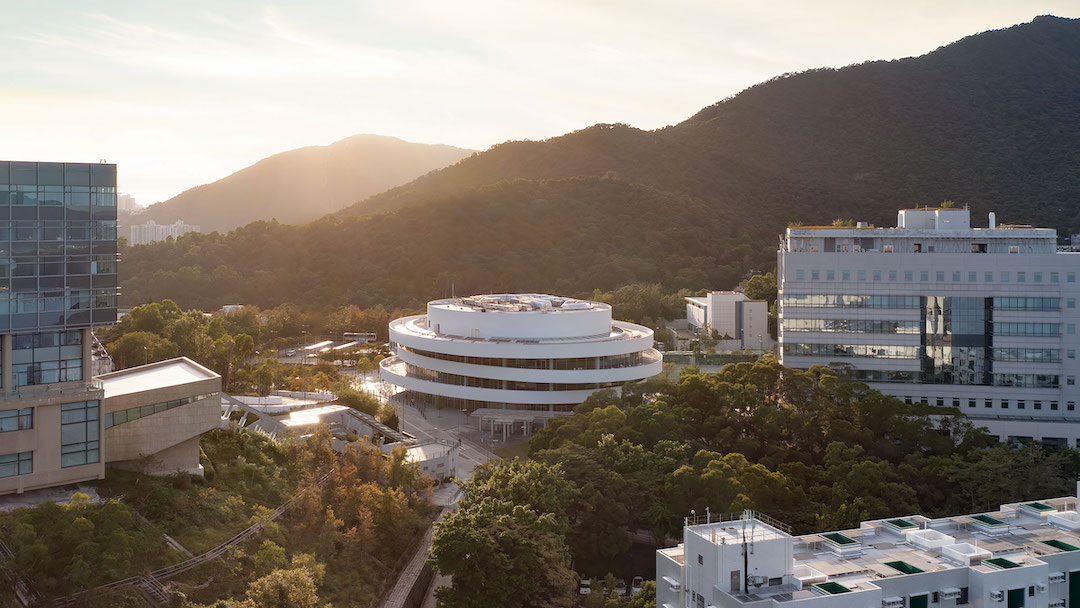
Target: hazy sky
(183,93)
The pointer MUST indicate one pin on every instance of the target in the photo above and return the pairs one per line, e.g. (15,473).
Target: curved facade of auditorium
(516,351)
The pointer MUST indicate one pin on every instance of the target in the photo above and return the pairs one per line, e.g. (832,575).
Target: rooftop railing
(32,391)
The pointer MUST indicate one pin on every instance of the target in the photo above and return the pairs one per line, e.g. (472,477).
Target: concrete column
(6,378)
(87,354)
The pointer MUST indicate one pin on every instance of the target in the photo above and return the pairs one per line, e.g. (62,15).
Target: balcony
(37,391)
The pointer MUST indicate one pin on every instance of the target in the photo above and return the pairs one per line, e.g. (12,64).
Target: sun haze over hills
(992,121)
(303,184)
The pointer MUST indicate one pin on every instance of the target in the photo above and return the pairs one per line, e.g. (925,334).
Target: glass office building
(58,262)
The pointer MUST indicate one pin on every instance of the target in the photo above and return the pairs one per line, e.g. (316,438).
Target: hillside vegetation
(991,121)
(304,184)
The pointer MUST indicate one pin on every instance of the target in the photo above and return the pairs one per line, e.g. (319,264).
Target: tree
(293,588)
(140,347)
(646,597)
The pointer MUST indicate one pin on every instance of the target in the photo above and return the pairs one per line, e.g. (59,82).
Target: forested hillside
(304,184)
(565,236)
(991,121)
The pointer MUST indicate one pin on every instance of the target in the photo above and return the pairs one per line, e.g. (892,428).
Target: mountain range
(303,184)
(991,121)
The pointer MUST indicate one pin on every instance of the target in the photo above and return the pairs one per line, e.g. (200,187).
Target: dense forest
(991,121)
(813,448)
(568,236)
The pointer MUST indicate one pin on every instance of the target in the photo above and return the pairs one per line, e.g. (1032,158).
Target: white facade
(739,321)
(1025,554)
(516,351)
(151,231)
(935,311)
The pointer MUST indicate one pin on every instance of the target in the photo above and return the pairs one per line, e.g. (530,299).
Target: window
(939,275)
(1004,404)
(1071,353)
(1020,404)
(861,274)
(972,276)
(1004,277)
(21,463)
(877,275)
(1037,405)
(814,276)
(956,402)
(941,402)
(907,275)
(1070,277)
(1070,380)
(1071,328)
(963,599)
(799,274)
(956,276)
(1037,276)
(990,403)
(700,559)
(892,275)
(988,276)
(1053,406)
(924,275)
(1071,406)
(830,275)
(1014,249)
(79,434)
(1070,303)
(845,275)
(1021,277)
(1053,277)
(16,420)
(971,403)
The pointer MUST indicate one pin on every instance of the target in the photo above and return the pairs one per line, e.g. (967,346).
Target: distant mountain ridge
(300,185)
(991,121)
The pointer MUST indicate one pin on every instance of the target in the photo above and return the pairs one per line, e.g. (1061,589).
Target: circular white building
(516,352)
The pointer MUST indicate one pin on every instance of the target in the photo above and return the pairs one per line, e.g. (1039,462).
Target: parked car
(585,587)
(620,587)
(635,585)
(290,352)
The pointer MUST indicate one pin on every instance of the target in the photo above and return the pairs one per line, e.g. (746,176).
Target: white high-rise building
(1022,555)
(936,311)
(151,231)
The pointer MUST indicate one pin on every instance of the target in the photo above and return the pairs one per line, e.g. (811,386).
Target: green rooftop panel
(986,519)
(839,539)
(1038,506)
(832,588)
(904,567)
(901,523)
(1057,544)
(1001,563)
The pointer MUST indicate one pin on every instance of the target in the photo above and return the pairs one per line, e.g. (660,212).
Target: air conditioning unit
(1041,587)
(950,593)
(1057,577)
(997,595)
(892,602)
(1056,604)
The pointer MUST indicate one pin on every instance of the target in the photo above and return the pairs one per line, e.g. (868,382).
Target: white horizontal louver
(1057,577)
(997,595)
(892,602)
(1056,604)
(1042,587)
(951,593)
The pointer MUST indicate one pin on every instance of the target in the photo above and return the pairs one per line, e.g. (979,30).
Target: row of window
(134,413)
(857,326)
(57,174)
(940,276)
(79,433)
(1027,329)
(1021,404)
(71,196)
(1027,355)
(16,420)
(852,350)
(1030,303)
(421,373)
(21,463)
(578,363)
(851,301)
(456,403)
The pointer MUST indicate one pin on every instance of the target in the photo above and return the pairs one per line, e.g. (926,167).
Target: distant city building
(126,204)
(1024,554)
(151,231)
(231,308)
(980,319)
(515,360)
(735,320)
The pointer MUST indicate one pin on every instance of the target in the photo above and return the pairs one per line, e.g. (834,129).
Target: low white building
(738,321)
(1023,555)
(515,352)
(436,459)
